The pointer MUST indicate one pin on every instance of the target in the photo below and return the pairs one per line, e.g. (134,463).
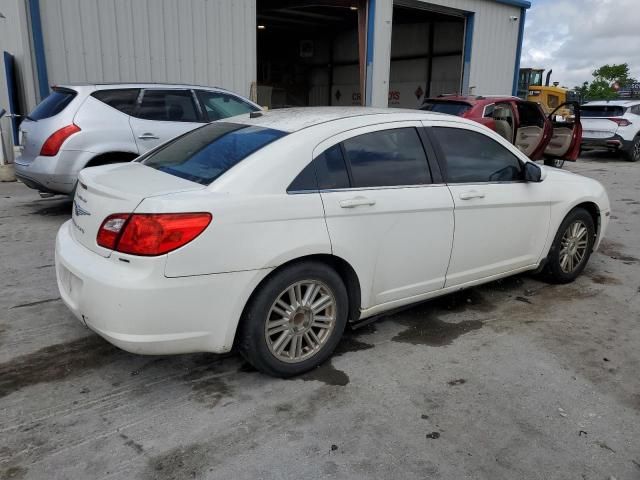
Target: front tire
(633,153)
(295,320)
(571,248)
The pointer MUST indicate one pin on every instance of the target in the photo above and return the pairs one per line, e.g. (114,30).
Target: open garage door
(427,49)
(309,53)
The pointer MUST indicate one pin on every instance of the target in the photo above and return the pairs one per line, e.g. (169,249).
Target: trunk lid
(598,128)
(596,121)
(116,188)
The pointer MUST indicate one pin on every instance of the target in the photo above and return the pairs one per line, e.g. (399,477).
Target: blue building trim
(516,70)
(38,48)
(371,19)
(516,3)
(468,47)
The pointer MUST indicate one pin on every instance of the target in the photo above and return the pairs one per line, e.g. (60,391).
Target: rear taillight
(622,122)
(110,230)
(52,145)
(151,234)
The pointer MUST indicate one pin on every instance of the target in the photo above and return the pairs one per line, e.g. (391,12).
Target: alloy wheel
(573,246)
(300,321)
(635,154)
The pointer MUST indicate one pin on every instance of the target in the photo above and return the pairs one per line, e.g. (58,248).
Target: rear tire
(571,248)
(633,153)
(295,320)
(554,162)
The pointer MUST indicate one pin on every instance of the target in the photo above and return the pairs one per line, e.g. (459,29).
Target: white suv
(80,126)
(612,125)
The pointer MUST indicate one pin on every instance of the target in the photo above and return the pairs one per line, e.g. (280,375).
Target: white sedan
(272,231)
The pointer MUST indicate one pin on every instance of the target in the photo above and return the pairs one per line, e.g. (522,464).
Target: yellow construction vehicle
(530,88)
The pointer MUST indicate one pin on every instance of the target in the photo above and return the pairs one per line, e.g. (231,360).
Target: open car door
(566,137)
(534,130)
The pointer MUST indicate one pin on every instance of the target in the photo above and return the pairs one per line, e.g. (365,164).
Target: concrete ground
(513,380)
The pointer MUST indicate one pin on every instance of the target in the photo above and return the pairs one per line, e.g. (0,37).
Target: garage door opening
(426,55)
(309,52)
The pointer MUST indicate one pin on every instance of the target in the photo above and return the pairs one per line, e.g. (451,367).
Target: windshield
(536,77)
(451,108)
(53,104)
(605,111)
(204,154)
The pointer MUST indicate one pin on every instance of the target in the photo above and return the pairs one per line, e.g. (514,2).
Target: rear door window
(327,172)
(123,100)
(219,105)
(384,158)
(204,154)
(530,115)
(56,102)
(451,108)
(168,106)
(602,111)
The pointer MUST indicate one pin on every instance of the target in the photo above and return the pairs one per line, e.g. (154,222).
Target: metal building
(281,52)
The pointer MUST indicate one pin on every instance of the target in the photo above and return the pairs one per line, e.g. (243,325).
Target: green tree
(601,88)
(614,73)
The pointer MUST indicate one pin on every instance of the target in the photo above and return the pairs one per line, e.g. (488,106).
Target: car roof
(111,85)
(473,99)
(294,119)
(618,103)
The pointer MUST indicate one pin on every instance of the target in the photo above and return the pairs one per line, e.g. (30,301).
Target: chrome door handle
(148,136)
(357,202)
(471,194)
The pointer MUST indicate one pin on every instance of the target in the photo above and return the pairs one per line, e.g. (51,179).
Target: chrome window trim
(360,189)
(396,187)
(484,110)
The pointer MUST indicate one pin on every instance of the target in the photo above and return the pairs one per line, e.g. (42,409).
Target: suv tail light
(52,145)
(622,122)
(149,234)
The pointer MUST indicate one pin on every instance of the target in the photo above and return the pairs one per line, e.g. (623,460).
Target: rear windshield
(56,102)
(601,111)
(204,154)
(452,108)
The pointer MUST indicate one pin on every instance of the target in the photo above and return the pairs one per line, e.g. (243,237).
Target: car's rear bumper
(52,174)
(615,142)
(135,307)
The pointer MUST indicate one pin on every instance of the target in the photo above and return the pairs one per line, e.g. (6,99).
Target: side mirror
(532,173)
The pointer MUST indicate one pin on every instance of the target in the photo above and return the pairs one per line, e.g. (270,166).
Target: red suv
(554,138)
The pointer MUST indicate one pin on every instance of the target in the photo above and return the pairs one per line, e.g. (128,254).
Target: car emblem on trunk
(79,210)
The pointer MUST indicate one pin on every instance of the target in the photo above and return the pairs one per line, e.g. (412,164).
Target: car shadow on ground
(60,205)
(428,323)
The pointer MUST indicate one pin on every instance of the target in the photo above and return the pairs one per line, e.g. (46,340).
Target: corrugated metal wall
(204,42)
(14,38)
(495,41)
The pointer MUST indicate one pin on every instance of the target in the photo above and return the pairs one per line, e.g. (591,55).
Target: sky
(575,37)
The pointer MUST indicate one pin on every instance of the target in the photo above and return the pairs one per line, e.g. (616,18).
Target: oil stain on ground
(613,250)
(210,391)
(55,210)
(181,462)
(603,279)
(55,363)
(434,332)
(330,375)
(425,328)
(13,473)
(206,374)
